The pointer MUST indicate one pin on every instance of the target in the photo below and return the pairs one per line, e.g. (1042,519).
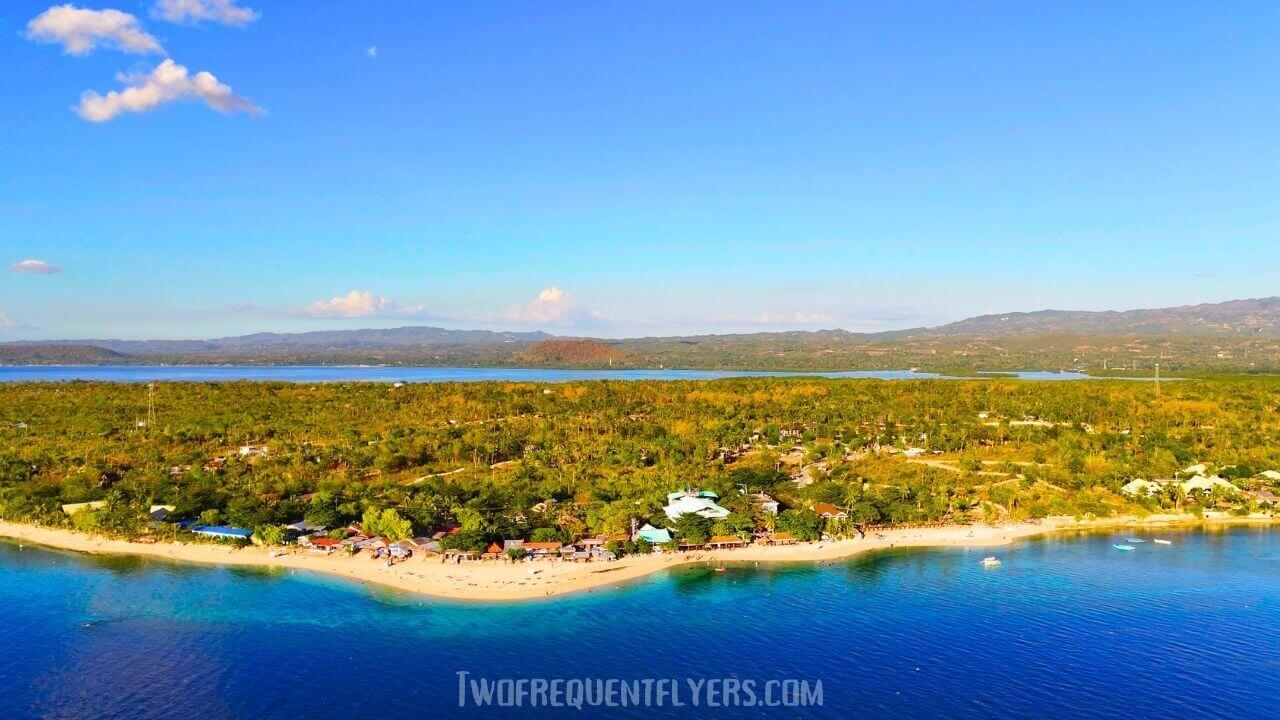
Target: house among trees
(696,502)
(1139,487)
(827,511)
(766,503)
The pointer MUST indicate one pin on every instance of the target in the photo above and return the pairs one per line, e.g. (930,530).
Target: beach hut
(780,538)
(542,549)
(323,544)
(493,552)
(718,542)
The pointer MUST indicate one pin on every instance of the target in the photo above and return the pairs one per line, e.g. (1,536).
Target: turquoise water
(354,373)
(1067,627)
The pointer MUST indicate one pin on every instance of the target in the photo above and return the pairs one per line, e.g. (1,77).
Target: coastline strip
(505,581)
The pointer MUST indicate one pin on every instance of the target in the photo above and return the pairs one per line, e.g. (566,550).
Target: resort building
(1206,485)
(697,502)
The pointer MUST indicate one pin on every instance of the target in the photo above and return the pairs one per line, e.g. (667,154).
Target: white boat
(1134,540)
(990,561)
(1163,542)
(1126,548)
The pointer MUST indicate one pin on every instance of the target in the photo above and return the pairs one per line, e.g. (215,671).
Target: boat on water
(1163,542)
(1134,540)
(1123,547)
(990,561)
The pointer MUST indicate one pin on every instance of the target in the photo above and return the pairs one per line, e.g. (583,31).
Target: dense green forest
(560,461)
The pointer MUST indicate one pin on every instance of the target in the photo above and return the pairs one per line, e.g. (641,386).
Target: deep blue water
(353,373)
(1066,628)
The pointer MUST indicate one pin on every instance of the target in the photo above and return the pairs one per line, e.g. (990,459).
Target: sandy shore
(501,580)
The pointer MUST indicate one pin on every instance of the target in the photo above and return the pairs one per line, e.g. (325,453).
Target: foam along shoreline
(506,581)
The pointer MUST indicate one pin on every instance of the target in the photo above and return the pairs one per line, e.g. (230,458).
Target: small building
(493,552)
(222,532)
(780,538)
(302,526)
(725,541)
(1139,487)
(766,503)
(73,508)
(655,536)
(827,511)
(323,544)
(1262,497)
(542,549)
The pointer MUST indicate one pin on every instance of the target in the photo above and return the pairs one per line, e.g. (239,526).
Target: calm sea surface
(353,373)
(1066,628)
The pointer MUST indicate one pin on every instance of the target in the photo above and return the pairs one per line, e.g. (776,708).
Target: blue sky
(622,169)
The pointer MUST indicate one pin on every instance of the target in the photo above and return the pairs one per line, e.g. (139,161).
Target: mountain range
(1239,335)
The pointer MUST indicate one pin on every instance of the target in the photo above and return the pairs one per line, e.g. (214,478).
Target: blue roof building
(656,536)
(222,531)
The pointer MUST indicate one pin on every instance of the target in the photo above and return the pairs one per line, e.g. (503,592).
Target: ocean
(1066,627)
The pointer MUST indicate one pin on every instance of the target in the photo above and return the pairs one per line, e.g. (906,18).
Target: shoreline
(498,581)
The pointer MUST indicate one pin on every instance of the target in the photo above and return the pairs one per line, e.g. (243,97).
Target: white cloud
(168,82)
(80,30)
(5,322)
(372,52)
(35,267)
(553,305)
(224,12)
(795,318)
(358,304)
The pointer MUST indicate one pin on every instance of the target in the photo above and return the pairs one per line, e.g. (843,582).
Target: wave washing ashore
(363,373)
(501,580)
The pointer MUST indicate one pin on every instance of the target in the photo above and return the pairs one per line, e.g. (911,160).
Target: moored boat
(1123,547)
(990,561)
(1163,542)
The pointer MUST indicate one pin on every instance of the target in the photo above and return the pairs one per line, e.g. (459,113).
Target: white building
(698,502)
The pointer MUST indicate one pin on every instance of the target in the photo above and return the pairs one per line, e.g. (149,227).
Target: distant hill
(571,351)
(390,338)
(1236,317)
(57,354)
